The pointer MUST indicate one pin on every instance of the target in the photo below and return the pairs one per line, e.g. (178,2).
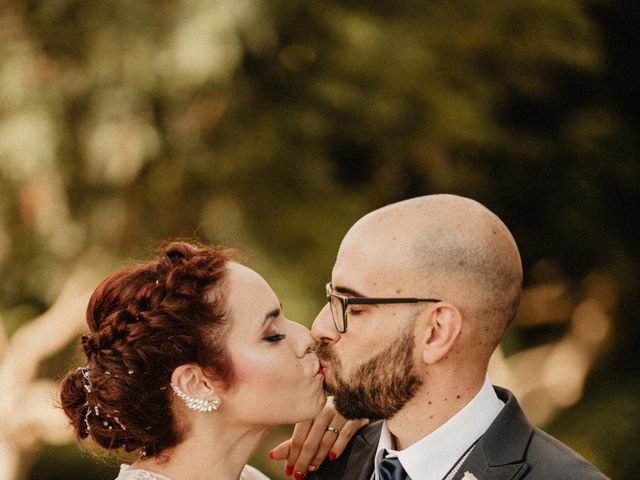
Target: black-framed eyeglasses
(338,305)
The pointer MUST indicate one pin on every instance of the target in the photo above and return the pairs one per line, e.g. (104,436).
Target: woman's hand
(327,433)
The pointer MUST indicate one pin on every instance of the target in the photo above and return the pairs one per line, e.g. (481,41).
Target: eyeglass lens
(336,310)
(336,313)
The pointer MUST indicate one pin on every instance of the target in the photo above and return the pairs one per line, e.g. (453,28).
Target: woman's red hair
(145,320)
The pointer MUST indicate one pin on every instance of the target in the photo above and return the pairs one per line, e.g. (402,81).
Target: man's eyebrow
(272,314)
(348,291)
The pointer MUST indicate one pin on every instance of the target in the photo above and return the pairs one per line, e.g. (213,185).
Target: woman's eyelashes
(275,337)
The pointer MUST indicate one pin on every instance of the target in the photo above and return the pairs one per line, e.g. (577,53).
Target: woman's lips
(321,369)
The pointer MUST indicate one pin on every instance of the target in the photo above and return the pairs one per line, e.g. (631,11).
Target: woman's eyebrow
(272,314)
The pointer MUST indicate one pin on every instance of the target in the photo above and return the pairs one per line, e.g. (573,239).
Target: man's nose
(323,329)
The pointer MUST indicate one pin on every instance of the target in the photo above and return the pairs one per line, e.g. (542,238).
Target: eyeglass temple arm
(371,300)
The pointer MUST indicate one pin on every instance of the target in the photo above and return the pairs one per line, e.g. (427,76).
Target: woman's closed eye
(275,337)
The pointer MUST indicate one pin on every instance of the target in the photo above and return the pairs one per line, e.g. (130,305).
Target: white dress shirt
(432,457)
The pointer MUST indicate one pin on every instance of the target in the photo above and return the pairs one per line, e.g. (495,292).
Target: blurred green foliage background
(273,125)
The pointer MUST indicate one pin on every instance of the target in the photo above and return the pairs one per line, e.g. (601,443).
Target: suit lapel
(498,455)
(363,452)
(477,465)
(500,452)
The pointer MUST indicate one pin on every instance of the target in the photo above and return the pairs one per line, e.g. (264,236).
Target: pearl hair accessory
(86,383)
(109,421)
(197,404)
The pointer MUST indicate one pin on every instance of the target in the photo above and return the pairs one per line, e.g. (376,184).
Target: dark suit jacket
(510,449)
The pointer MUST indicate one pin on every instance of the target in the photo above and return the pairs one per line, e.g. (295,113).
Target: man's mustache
(325,352)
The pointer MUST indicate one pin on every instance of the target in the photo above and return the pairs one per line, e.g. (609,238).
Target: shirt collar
(434,455)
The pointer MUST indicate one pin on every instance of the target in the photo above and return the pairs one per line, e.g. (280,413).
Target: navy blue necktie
(390,469)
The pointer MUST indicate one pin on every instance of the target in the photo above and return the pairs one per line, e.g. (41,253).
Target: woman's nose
(304,342)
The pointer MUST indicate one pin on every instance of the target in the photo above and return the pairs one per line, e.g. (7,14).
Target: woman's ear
(192,380)
(442,325)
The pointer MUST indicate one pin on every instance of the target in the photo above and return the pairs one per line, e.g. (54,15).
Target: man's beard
(378,388)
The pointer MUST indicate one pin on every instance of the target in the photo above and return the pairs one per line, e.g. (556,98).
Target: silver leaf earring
(197,404)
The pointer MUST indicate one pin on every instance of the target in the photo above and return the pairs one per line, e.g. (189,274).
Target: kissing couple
(190,360)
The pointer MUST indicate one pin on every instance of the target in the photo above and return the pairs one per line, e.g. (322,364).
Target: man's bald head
(448,247)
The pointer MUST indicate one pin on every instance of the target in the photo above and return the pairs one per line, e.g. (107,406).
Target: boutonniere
(469,476)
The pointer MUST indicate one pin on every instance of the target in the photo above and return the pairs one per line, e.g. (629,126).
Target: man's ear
(191,379)
(442,325)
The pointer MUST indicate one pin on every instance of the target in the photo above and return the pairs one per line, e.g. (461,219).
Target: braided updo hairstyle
(145,320)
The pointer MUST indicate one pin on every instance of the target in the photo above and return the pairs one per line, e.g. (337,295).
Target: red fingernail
(298,476)
(270,454)
(332,456)
(288,470)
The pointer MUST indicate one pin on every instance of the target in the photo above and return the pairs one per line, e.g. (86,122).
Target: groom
(420,296)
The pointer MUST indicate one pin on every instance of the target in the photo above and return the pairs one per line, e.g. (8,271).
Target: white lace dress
(128,473)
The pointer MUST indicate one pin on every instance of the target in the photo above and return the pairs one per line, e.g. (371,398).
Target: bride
(190,360)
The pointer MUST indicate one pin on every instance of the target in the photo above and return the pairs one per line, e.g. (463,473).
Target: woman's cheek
(259,371)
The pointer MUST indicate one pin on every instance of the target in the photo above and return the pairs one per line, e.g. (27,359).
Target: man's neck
(434,405)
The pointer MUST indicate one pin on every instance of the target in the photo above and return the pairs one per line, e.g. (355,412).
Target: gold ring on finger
(334,430)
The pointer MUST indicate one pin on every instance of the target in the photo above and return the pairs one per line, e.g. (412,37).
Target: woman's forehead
(248,292)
